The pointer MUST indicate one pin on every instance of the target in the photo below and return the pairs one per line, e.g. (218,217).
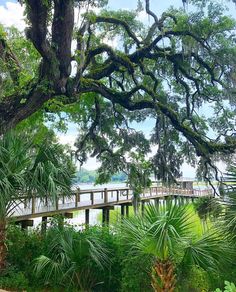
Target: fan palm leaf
(27,169)
(72,258)
(166,233)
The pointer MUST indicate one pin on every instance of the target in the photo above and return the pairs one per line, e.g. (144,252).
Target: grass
(198,225)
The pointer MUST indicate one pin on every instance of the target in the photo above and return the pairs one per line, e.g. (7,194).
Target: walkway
(97,199)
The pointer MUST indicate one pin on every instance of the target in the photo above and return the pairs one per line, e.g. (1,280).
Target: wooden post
(92,198)
(156,202)
(105,216)
(33,205)
(127,194)
(87,217)
(142,207)
(127,210)
(122,207)
(77,197)
(44,224)
(117,195)
(105,196)
(57,205)
(108,216)
(25,203)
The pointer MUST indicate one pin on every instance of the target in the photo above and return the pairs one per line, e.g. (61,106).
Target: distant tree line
(90,176)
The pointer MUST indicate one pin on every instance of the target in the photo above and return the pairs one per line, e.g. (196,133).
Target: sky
(11,13)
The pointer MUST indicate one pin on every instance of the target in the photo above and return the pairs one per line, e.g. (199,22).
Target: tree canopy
(107,70)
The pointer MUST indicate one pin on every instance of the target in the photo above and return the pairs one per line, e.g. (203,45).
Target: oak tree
(107,71)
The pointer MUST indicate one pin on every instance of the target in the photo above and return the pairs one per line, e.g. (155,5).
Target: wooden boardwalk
(104,199)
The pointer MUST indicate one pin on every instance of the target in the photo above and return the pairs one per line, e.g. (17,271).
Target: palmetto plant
(165,234)
(25,170)
(228,197)
(73,259)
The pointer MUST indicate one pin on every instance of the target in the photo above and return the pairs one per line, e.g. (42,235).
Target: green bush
(13,280)
(229,287)
(194,279)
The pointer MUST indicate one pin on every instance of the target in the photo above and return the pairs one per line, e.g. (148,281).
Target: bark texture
(163,277)
(3,250)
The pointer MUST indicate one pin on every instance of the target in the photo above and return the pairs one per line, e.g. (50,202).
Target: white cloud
(67,139)
(12,15)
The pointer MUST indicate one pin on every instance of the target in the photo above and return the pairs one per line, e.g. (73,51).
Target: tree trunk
(3,249)
(163,277)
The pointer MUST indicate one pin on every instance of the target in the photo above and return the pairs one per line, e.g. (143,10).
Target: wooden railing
(98,198)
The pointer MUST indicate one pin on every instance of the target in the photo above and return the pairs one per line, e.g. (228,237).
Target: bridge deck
(96,199)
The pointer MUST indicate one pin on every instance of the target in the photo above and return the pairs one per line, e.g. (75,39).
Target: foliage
(14,280)
(207,207)
(169,72)
(228,197)
(229,287)
(196,279)
(90,176)
(165,234)
(73,259)
(198,257)
(28,168)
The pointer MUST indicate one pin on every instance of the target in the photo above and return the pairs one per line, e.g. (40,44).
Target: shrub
(229,287)
(13,280)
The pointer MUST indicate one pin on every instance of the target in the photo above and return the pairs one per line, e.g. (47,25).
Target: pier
(105,199)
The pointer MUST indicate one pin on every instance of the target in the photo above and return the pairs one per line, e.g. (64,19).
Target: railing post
(25,203)
(33,205)
(127,194)
(77,197)
(105,196)
(117,195)
(92,198)
(57,204)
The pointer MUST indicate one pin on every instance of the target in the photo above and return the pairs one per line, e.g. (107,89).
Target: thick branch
(203,148)
(62,29)
(10,60)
